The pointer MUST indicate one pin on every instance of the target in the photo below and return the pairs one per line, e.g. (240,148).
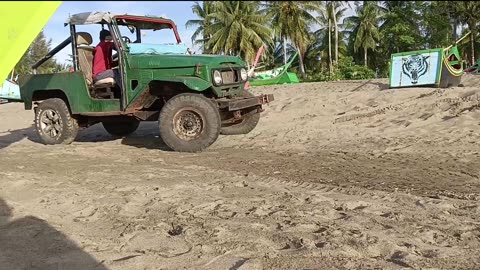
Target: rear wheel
(54,123)
(247,124)
(189,123)
(121,128)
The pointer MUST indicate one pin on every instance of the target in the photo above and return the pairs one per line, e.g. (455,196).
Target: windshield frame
(170,25)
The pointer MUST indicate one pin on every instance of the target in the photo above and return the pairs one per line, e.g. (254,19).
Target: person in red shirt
(103,61)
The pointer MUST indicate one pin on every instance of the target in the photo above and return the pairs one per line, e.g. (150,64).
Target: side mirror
(131,28)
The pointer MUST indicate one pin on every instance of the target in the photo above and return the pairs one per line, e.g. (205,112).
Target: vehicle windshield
(150,36)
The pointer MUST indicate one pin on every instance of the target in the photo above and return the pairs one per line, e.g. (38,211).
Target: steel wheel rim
(51,123)
(188,124)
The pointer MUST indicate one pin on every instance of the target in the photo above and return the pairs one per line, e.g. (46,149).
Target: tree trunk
(336,35)
(329,45)
(284,50)
(300,60)
(204,44)
(472,43)
(455,25)
(365,55)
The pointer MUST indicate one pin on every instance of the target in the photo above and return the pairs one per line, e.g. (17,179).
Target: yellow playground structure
(21,22)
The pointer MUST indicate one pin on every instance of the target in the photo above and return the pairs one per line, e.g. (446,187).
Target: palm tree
(325,20)
(291,20)
(273,9)
(275,57)
(238,28)
(202,11)
(328,21)
(469,14)
(365,27)
(316,50)
(323,39)
(337,12)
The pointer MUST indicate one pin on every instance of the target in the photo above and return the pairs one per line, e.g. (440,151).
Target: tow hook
(264,99)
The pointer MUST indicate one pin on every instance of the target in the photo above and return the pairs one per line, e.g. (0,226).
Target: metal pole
(73,36)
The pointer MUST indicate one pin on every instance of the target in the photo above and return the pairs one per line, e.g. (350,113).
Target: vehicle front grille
(230,76)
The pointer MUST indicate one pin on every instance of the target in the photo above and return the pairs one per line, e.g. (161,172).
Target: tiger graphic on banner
(415,66)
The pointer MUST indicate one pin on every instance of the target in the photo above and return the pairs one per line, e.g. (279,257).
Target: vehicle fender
(194,83)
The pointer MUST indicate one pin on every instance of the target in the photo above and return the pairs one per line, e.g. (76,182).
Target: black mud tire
(248,123)
(189,123)
(121,128)
(53,122)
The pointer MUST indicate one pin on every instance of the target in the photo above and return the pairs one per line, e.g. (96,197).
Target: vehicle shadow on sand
(31,243)
(146,136)
(10,137)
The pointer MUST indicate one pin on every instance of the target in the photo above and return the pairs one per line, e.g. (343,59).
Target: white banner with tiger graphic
(417,68)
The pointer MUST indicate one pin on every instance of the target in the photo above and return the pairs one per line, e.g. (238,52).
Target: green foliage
(238,28)
(348,70)
(401,31)
(437,27)
(468,13)
(203,23)
(37,50)
(291,20)
(365,33)
(345,70)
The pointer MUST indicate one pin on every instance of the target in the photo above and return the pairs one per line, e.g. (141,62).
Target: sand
(338,175)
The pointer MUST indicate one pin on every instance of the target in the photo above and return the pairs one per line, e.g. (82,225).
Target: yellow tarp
(20,23)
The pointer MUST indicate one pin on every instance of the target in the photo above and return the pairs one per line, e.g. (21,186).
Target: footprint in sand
(433,237)
(352,205)
(158,243)
(89,213)
(283,242)
(134,207)
(281,105)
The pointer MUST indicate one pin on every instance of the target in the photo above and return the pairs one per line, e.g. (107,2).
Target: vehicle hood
(146,61)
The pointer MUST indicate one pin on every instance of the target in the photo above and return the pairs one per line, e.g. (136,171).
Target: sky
(178,11)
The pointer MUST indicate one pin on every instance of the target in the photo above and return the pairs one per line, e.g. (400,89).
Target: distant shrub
(345,70)
(350,71)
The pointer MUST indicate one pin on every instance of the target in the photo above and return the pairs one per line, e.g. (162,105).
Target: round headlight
(243,74)
(217,77)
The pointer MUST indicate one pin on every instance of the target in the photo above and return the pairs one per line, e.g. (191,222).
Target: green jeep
(193,97)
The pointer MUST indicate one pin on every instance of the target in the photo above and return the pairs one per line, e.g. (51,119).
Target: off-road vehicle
(193,97)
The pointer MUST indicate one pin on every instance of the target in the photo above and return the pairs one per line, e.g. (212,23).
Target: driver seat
(85,55)
(85,59)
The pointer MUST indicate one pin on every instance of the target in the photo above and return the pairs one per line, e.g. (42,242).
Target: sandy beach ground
(337,175)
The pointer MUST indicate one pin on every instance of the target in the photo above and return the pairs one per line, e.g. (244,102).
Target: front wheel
(247,124)
(189,123)
(53,122)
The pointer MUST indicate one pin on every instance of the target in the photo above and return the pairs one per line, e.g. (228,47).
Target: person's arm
(113,48)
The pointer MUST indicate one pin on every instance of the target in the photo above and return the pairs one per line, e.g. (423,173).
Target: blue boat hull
(10,91)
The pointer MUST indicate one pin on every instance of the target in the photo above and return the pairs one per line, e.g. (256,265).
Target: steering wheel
(126,39)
